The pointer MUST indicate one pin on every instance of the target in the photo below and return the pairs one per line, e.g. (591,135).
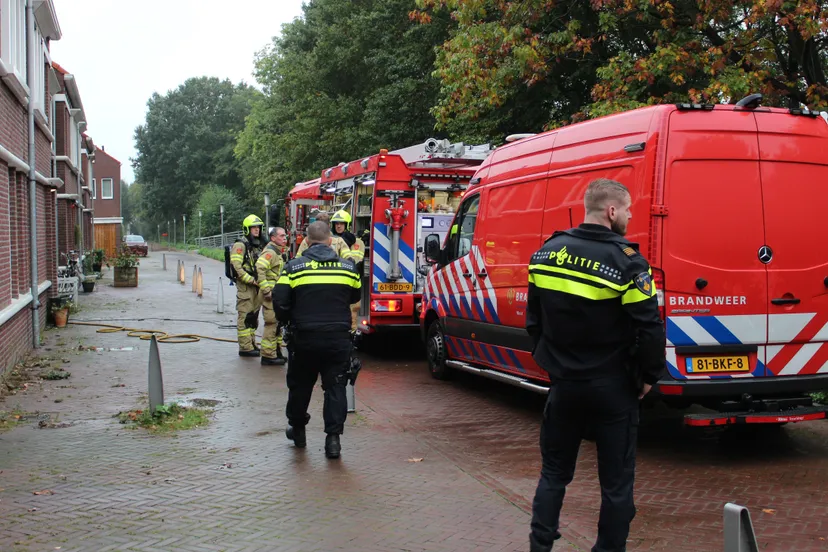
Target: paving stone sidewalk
(237,484)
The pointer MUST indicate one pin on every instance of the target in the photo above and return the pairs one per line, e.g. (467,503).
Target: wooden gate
(106,238)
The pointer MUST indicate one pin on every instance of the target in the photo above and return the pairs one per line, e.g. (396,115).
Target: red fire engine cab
(395,198)
(301,201)
(727,207)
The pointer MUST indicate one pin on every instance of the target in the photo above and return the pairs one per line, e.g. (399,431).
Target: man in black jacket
(594,318)
(314,295)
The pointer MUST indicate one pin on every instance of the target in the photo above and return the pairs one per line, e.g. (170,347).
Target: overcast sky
(121,51)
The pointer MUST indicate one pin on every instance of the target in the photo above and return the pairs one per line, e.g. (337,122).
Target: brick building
(23,313)
(106,199)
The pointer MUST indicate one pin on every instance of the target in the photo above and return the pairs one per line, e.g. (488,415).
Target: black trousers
(312,355)
(608,409)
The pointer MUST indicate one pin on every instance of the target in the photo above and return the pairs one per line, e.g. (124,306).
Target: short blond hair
(603,191)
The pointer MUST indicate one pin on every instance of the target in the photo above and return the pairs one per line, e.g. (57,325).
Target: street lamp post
(158,231)
(267,212)
(221,210)
(175,230)
(185,231)
(168,235)
(199,224)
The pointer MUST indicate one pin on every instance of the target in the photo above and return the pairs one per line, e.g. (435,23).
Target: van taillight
(386,305)
(658,278)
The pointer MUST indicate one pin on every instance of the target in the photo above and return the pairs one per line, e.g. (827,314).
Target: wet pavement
(426,465)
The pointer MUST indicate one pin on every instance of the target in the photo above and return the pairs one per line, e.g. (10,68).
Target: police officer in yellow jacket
(594,319)
(243,257)
(268,268)
(313,295)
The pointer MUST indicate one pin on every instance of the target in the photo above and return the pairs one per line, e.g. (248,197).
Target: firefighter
(594,320)
(313,295)
(340,226)
(268,268)
(337,243)
(243,257)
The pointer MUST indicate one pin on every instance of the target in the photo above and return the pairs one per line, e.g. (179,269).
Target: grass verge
(212,253)
(8,420)
(167,418)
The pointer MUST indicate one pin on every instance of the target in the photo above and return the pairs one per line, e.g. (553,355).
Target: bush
(208,203)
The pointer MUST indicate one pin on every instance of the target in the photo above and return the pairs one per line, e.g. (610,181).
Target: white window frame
(111,188)
(13,33)
(94,190)
(74,142)
(39,89)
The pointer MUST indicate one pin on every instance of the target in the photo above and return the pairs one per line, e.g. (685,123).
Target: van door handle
(792,301)
(482,274)
(467,274)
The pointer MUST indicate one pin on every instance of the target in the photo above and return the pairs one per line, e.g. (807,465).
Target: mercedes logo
(765,254)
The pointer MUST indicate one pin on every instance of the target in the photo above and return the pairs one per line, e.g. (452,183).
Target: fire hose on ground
(146,334)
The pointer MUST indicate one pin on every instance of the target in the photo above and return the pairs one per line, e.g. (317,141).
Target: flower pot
(126,276)
(96,267)
(61,317)
(88,286)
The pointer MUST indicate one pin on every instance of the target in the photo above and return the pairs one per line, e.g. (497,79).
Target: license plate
(387,288)
(705,365)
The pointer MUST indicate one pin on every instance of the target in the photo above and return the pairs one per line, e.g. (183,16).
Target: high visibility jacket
(269,266)
(243,258)
(592,307)
(356,247)
(315,291)
(337,244)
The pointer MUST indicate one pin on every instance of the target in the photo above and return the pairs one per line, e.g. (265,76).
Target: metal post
(738,530)
(31,61)
(195,273)
(267,212)
(168,235)
(156,381)
(158,231)
(199,224)
(221,210)
(350,398)
(175,231)
(164,260)
(220,298)
(185,232)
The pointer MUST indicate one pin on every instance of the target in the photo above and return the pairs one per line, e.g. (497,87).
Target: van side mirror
(432,249)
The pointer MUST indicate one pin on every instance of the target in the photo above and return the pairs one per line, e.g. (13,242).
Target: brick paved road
(236,485)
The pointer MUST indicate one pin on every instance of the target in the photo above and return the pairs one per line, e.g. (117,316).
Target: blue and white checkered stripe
(716,330)
(381,247)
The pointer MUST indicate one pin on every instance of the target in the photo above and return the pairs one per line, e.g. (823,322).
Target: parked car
(137,245)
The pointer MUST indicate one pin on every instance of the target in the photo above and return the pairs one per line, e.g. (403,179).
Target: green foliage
(167,418)
(342,82)
(821,397)
(212,253)
(56,375)
(125,258)
(186,144)
(208,203)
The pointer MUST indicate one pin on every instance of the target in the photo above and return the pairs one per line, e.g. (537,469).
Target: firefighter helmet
(249,222)
(342,216)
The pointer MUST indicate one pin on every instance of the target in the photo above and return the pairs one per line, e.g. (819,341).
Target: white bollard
(200,284)
(349,395)
(164,256)
(156,381)
(220,298)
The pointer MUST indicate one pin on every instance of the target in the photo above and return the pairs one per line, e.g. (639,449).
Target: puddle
(198,403)
(105,349)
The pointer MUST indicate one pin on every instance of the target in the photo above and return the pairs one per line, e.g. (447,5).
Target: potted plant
(125,268)
(60,311)
(97,260)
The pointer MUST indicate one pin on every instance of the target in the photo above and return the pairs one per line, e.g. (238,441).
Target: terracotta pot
(61,317)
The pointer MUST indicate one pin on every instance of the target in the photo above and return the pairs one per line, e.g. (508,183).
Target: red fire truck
(395,199)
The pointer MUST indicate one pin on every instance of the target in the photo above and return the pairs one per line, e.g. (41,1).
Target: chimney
(103,148)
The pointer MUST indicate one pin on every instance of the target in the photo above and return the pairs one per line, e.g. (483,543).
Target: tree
(127,210)
(342,82)
(187,142)
(523,64)
(208,203)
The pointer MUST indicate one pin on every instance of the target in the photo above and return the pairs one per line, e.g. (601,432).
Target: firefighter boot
(253,353)
(280,358)
(272,361)
(332,446)
(297,435)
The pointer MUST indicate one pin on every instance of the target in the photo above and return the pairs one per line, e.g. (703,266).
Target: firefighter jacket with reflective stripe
(592,307)
(269,266)
(315,292)
(243,258)
(337,244)
(356,248)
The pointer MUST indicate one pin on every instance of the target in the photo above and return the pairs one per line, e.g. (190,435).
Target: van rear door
(794,172)
(715,285)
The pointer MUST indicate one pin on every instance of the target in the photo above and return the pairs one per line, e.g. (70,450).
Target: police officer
(243,257)
(594,319)
(268,268)
(313,295)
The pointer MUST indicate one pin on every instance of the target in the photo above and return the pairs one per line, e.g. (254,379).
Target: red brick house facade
(106,199)
(19,307)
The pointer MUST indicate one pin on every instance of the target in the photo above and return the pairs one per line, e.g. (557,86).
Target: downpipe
(30,77)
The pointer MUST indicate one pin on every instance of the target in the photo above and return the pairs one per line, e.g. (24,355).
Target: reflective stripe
(323,279)
(609,284)
(237,257)
(247,331)
(570,287)
(268,344)
(323,271)
(354,254)
(634,295)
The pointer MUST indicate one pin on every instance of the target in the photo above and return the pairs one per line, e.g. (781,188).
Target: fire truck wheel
(436,352)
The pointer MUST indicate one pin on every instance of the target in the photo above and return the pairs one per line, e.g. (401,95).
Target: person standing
(243,257)
(313,295)
(594,319)
(268,268)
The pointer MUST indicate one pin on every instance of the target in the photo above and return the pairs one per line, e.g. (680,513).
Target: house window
(94,190)
(39,89)
(13,34)
(106,188)
(74,140)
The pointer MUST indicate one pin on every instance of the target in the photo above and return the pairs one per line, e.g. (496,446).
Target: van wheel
(436,352)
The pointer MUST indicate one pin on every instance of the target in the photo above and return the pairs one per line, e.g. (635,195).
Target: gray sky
(121,51)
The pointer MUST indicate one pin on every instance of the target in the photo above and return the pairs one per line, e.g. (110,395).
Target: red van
(727,207)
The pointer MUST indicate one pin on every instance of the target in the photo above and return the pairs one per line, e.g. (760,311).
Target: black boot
(253,353)
(297,435)
(270,361)
(332,446)
(280,359)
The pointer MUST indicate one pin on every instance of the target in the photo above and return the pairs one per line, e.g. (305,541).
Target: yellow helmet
(249,222)
(341,216)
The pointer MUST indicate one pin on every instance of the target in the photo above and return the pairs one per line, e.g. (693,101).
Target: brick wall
(13,123)
(16,334)
(107,166)
(67,218)
(5,238)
